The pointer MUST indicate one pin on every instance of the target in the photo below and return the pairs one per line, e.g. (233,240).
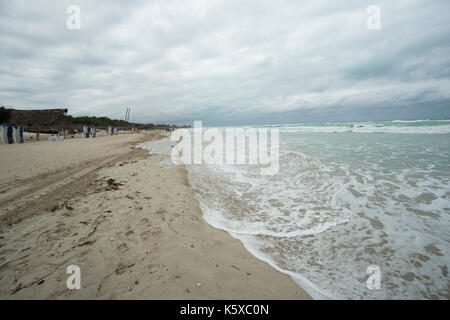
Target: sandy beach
(133,227)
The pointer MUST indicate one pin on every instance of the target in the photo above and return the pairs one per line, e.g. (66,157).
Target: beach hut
(17,134)
(4,134)
(112,130)
(10,135)
(86,131)
(93,132)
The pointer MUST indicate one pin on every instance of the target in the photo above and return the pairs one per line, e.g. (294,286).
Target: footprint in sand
(153,233)
(129,233)
(122,247)
(121,268)
(161,211)
(145,234)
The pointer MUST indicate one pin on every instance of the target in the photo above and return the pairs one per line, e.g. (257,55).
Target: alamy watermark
(374,280)
(74,280)
(73,21)
(374,17)
(233,146)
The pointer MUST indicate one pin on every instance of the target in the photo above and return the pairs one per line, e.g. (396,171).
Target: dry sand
(134,228)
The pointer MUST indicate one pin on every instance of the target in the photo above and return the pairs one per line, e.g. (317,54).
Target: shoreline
(134,228)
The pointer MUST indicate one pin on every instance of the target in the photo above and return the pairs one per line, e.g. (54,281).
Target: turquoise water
(347,195)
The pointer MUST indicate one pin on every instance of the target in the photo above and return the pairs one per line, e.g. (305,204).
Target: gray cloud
(228,61)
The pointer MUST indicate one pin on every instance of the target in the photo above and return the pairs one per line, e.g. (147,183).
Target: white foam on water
(370,128)
(417,121)
(213,218)
(162,146)
(337,207)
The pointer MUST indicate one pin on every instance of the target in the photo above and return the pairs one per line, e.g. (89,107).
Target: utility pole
(126,114)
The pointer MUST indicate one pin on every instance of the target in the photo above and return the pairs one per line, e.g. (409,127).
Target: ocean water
(347,196)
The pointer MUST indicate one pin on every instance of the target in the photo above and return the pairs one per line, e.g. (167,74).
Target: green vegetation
(97,121)
(105,122)
(4,114)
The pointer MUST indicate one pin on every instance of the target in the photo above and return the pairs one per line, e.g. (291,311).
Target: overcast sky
(228,62)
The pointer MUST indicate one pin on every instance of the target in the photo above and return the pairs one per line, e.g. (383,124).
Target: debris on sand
(126,162)
(112,184)
(65,204)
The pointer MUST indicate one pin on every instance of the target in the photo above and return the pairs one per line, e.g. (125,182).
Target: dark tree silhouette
(4,114)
